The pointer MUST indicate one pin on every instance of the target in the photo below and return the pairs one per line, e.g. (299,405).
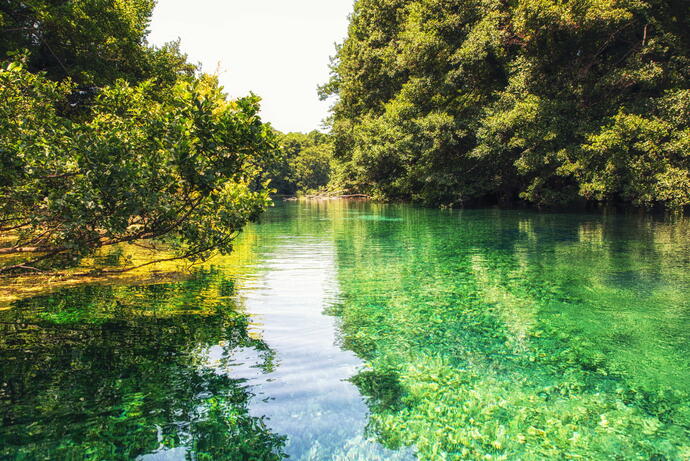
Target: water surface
(356,331)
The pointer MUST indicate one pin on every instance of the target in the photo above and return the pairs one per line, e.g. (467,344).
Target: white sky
(278,49)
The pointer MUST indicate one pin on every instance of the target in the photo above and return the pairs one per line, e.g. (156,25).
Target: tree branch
(174,258)
(18,226)
(26,264)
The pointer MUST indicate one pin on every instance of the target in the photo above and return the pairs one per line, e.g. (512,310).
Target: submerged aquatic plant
(518,337)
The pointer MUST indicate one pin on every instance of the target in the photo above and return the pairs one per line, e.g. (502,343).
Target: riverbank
(292,198)
(94,270)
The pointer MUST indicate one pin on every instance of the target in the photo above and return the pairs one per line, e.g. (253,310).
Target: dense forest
(411,330)
(452,102)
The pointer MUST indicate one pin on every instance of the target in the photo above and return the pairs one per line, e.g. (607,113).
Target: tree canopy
(452,102)
(104,139)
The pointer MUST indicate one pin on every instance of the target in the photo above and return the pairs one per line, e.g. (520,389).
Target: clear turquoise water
(355,331)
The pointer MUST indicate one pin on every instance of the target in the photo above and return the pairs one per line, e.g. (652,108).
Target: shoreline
(292,198)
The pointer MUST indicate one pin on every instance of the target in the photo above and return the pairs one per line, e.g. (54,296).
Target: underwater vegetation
(473,334)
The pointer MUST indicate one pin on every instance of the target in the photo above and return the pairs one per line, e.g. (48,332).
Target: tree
(154,151)
(452,102)
(303,163)
(93,42)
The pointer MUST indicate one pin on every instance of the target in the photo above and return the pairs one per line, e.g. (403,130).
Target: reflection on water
(107,372)
(354,331)
(306,395)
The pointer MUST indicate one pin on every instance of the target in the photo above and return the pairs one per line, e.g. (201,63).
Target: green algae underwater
(350,330)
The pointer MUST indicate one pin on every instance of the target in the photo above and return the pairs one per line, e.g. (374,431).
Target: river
(348,330)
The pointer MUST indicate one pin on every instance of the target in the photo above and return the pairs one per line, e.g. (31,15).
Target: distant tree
(303,164)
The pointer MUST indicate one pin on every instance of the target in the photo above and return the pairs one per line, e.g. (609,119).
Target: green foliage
(451,102)
(303,163)
(94,42)
(644,157)
(153,152)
